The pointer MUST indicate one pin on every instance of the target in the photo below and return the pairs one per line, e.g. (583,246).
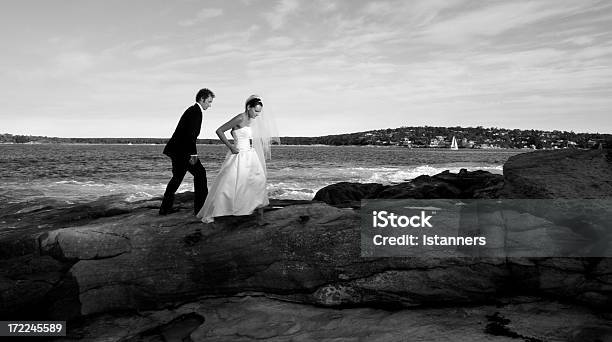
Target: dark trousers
(180,166)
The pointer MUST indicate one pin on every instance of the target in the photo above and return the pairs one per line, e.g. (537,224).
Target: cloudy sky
(130,68)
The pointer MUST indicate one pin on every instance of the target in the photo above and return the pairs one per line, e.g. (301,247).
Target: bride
(240,186)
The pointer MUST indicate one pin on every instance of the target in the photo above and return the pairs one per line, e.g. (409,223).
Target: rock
(308,253)
(40,218)
(421,187)
(566,173)
(123,256)
(465,184)
(27,284)
(575,187)
(74,244)
(341,193)
(255,317)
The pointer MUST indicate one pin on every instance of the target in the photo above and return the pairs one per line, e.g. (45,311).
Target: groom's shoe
(163,211)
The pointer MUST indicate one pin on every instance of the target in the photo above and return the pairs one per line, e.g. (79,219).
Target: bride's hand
(234,150)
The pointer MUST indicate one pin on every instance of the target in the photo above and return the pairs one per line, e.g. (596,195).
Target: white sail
(454,144)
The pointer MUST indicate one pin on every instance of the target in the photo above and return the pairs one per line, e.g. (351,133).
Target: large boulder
(465,184)
(565,173)
(347,192)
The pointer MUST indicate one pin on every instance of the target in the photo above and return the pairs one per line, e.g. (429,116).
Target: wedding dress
(240,186)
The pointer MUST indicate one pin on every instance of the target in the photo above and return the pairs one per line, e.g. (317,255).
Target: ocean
(82,173)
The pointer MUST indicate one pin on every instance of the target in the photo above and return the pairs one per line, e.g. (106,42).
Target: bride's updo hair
(252,101)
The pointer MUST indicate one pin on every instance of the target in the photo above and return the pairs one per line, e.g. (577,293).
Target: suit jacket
(183,141)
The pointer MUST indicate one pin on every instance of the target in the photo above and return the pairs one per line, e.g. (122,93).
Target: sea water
(79,173)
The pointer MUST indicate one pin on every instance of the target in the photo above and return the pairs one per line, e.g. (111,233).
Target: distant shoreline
(282,145)
(426,137)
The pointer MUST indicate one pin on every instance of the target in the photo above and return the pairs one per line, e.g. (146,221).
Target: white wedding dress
(240,186)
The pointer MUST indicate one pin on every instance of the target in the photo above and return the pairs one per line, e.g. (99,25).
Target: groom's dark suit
(179,148)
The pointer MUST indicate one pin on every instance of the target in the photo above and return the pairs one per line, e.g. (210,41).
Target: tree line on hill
(417,137)
(467,137)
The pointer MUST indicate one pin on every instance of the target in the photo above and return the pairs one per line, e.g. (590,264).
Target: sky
(130,68)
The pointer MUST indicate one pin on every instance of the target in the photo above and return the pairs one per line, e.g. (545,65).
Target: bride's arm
(235,121)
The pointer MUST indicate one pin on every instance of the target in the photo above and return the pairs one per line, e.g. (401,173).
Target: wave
(293,191)
(139,196)
(86,183)
(300,183)
(395,176)
(304,183)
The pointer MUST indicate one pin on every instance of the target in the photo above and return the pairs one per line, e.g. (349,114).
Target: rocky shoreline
(113,263)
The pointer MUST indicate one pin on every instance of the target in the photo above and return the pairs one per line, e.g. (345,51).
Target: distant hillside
(414,137)
(467,137)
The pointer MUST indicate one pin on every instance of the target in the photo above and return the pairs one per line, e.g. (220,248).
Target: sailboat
(454,144)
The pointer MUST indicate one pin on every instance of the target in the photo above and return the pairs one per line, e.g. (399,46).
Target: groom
(181,149)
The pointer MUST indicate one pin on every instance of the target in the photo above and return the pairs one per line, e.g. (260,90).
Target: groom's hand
(193,160)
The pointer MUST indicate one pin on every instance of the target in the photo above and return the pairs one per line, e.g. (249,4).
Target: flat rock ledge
(254,317)
(65,263)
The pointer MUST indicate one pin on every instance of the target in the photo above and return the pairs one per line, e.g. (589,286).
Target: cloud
(202,16)
(493,20)
(594,52)
(223,47)
(379,8)
(580,40)
(326,6)
(278,42)
(434,62)
(75,61)
(150,52)
(281,11)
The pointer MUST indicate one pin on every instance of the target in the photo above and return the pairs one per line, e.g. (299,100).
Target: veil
(265,133)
